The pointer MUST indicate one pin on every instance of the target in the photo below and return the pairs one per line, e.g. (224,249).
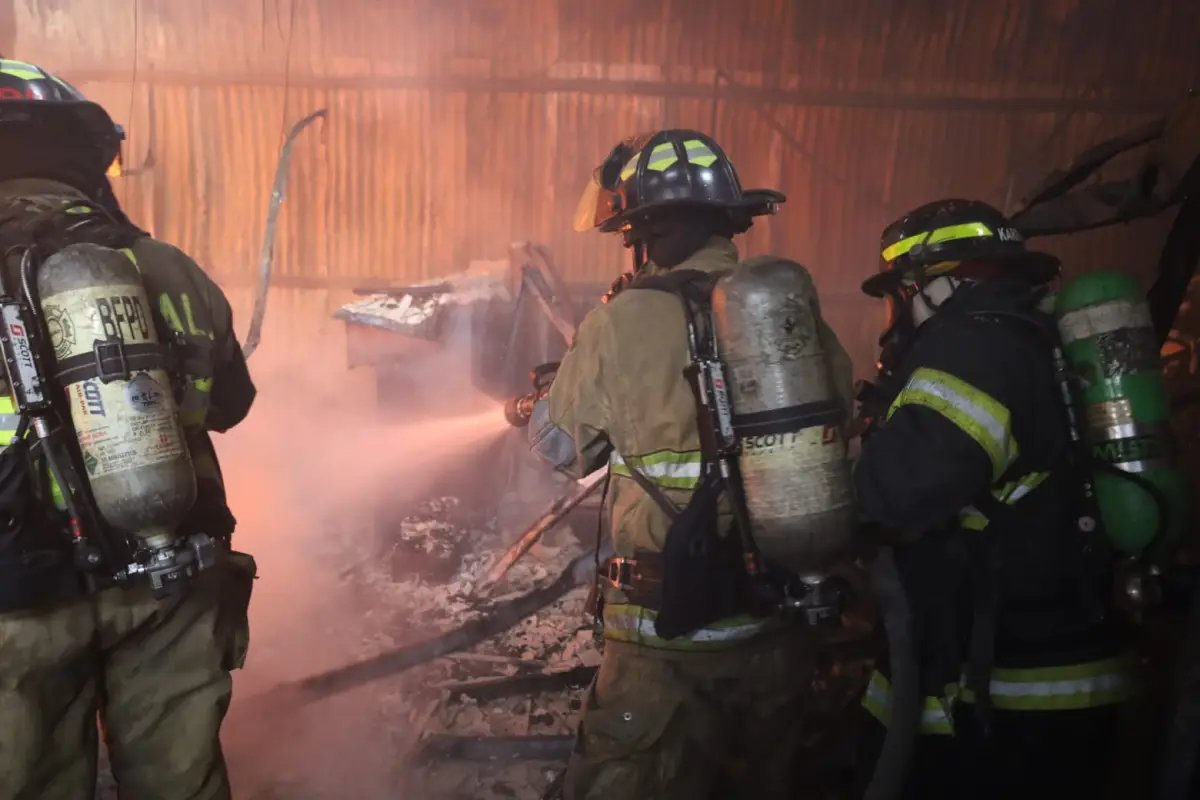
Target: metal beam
(816,98)
(243,280)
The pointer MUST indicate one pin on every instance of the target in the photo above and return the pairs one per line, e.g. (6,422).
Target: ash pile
(494,720)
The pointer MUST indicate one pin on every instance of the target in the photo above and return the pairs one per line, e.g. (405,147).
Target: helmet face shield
(587,210)
(899,310)
(600,201)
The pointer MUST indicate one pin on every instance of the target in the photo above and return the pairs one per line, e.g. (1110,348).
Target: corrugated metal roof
(401,184)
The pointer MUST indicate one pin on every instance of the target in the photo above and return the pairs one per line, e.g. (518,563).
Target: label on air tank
(801,471)
(1102,318)
(123,424)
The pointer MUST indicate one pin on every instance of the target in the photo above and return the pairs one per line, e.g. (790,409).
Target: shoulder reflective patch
(548,441)
(972,411)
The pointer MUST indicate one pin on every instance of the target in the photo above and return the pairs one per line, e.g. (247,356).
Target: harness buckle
(619,573)
(112,349)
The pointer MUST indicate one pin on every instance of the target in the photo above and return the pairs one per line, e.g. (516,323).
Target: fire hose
(904,705)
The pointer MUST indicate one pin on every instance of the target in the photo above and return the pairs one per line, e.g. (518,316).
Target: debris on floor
(505,710)
(495,720)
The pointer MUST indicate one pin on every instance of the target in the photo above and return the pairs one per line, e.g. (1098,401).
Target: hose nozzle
(518,410)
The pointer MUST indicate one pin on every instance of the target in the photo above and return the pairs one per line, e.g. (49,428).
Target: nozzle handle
(519,410)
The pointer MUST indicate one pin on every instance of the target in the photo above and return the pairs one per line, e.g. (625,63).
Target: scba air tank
(786,415)
(1113,357)
(130,438)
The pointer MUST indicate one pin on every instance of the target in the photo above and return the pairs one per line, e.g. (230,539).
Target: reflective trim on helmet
(972,411)
(1089,685)
(968,230)
(936,716)
(625,622)
(630,167)
(669,469)
(22,69)
(973,519)
(662,157)
(699,153)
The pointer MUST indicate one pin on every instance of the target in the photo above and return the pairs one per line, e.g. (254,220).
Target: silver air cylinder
(128,428)
(786,416)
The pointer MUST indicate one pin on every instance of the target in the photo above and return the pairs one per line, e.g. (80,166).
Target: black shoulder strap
(44,225)
(694,288)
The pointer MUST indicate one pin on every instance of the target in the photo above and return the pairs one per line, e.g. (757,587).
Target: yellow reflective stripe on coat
(972,411)
(973,519)
(936,717)
(669,469)
(1089,685)
(194,405)
(625,622)
(970,230)
(10,420)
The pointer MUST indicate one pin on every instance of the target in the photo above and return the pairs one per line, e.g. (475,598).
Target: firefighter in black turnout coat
(965,469)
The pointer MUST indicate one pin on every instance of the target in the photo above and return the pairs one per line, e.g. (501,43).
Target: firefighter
(967,470)
(719,711)
(155,667)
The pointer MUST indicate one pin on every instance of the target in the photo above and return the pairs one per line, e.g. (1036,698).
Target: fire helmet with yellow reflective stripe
(36,100)
(669,168)
(940,237)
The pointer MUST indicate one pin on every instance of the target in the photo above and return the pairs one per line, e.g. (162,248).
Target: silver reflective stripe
(644,628)
(1019,492)
(656,467)
(1072,686)
(995,428)
(935,716)
(635,625)
(8,429)
(1088,685)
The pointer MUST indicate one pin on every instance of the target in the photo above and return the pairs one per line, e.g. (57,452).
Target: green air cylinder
(1113,356)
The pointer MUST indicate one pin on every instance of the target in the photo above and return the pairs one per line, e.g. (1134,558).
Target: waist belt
(638,578)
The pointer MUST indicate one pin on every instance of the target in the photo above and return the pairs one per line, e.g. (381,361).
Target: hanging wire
(287,68)
(137,40)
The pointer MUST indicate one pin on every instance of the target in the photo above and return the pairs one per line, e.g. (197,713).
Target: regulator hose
(905,703)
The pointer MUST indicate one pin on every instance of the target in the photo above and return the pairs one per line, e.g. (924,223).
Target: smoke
(305,473)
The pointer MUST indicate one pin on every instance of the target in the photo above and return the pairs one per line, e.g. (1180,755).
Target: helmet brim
(1038,267)
(759,202)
